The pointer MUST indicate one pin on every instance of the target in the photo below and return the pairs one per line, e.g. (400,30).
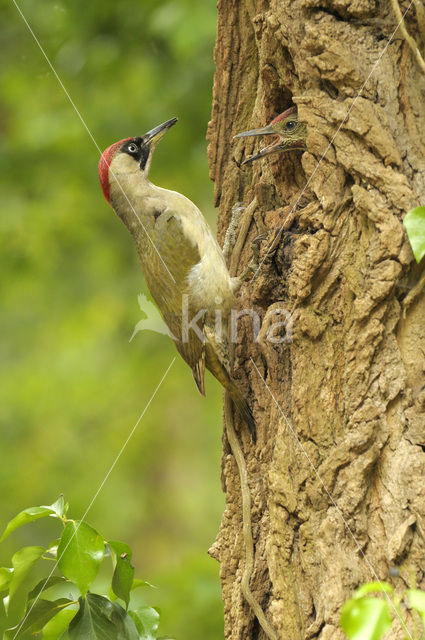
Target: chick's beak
(271,148)
(265,131)
(154,135)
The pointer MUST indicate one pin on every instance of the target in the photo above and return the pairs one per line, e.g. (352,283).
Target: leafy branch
(26,613)
(368,618)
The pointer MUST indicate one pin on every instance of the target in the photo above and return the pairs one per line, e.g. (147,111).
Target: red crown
(104,164)
(284,115)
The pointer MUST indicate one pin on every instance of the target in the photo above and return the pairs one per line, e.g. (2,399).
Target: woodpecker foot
(256,246)
(245,276)
(252,266)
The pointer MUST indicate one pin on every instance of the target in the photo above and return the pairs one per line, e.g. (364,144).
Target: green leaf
(52,549)
(80,553)
(3,615)
(414,221)
(27,515)
(37,616)
(45,584)
(122,580)
(60,507)
(147,622)
(142,583)
(365,618)
(54,629)
(373,587)
(22,561)
(6,574)
(417,602)
(100,619)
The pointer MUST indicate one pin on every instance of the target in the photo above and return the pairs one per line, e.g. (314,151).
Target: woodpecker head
(129,156)
(289,133)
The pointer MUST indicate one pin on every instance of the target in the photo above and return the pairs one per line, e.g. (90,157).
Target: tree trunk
(337,475)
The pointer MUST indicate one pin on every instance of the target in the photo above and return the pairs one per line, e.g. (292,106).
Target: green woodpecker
(289,133)
(182,262)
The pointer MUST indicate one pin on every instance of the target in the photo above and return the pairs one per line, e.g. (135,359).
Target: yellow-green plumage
(182,264)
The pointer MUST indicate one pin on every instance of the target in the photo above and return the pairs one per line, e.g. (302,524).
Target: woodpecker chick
(290,134)
(182,262)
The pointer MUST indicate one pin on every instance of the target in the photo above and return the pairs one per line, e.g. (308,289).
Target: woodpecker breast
(138,203)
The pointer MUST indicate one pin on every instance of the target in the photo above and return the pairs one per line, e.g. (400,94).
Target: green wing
(169,289)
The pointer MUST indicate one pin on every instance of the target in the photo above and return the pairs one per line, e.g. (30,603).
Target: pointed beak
(265,131)
(277,146)
(154,135)
(271,148)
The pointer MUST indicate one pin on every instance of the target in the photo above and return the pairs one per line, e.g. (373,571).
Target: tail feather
(198,373)
(245,412)
(219,371)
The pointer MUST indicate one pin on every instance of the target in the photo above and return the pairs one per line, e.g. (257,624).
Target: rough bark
(351,381)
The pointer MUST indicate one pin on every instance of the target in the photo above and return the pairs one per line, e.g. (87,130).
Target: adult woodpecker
(182,262)
(288,131)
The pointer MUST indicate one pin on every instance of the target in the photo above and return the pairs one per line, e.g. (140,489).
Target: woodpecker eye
(132,148)
(289,126)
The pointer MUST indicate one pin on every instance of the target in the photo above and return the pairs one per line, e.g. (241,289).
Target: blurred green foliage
(72,385)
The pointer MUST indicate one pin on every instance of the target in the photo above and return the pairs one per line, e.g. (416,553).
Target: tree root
(246,520)
(413,294)
(247,215)
(406,35)
(241,222)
